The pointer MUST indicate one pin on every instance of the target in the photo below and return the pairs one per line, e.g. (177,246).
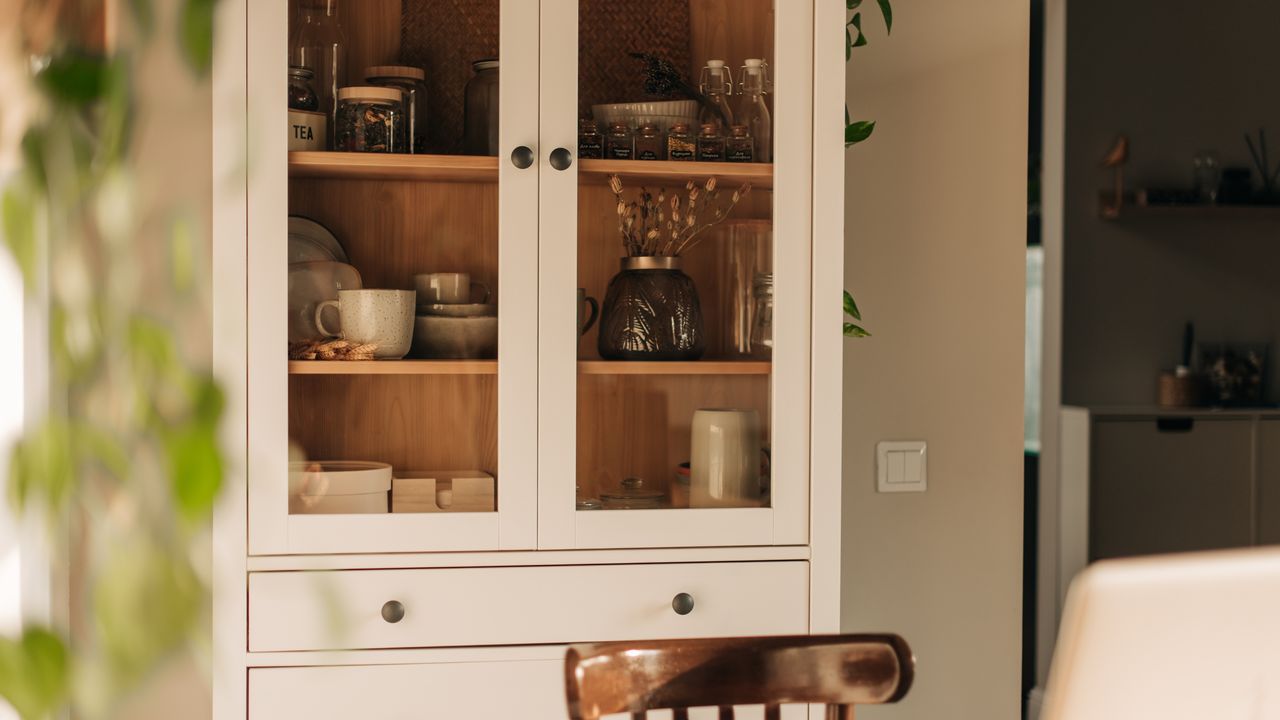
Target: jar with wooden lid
(648,143)
(739,146)
(590,140)
(370,119)
(411,82)
(618,144)
(681,144)
(710,143)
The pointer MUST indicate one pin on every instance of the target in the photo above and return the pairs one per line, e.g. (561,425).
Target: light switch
(901,467)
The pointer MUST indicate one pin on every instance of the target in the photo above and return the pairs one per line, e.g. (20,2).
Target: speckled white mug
(382,317)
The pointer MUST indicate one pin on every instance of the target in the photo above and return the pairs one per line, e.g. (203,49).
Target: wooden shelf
(393,367)
(695,367)
(1192,212)
(385,166)
(729,175)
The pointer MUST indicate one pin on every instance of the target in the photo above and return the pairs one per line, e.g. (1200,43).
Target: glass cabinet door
(396,416)
(675,273)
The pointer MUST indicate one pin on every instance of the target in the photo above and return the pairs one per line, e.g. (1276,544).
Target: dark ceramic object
(651,312)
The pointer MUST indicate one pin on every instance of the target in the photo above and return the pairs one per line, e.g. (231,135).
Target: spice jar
(739,147)
(710,143)
(618,145)
(681,144)
(762,317)
(590,141)
(369,120)
(480,110)
(302,95)
(648,143)
(411,82)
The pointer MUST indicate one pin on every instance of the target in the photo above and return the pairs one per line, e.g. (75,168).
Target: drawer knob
(682,604)
(393,611)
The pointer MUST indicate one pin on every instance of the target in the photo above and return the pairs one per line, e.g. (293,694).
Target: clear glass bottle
(302,95)
(618,145)
(681,144)
(648,143)
(480,110)
(762,316)
(753,111)
(320,45)
(717,85)
(710,143)
(590,140)
(739,147)
(411,82)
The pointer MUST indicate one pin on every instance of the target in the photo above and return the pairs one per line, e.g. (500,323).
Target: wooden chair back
(838,671)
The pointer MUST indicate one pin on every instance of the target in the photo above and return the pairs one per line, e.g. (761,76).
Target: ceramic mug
(448,288)
(725,463)
(382,317)
(585,319)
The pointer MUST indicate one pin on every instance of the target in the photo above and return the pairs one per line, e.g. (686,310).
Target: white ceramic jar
(725,459)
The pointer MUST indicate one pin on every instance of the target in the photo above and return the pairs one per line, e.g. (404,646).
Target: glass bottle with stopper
(320,45)
(717,86)
(753,111)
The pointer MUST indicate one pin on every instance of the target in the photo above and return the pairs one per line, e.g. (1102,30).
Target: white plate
(312,238)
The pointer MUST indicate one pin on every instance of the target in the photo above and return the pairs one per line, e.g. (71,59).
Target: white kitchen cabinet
(557,425)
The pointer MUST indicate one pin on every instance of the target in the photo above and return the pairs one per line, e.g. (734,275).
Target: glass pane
(393,251)
(675,250)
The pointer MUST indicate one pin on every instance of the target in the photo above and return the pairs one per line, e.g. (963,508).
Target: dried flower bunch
(331,350)
(670,225)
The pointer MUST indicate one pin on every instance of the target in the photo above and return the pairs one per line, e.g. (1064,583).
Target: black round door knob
(561,159)
(522,157)
(682,604)
(393,611)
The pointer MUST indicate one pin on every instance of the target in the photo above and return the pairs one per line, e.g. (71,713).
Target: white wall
(936,236)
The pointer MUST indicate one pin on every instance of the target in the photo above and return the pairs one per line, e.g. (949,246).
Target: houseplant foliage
(123,467)
(856,132)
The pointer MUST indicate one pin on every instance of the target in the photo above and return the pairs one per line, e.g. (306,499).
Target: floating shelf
(393,367)
(386,166)
(1192,212)
(695,367)
(729,175)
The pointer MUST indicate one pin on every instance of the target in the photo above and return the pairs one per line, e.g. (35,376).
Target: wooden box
(433,491)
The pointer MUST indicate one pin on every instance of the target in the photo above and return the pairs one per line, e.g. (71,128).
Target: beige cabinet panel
(1169,486)
(1269,482)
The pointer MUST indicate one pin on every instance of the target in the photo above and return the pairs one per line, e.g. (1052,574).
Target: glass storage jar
(411,82)
(302,96)
(590,140)
(739,147)
(681,145)
(710,143)
(648,143)
(618,145)
(480,110)
(370,119)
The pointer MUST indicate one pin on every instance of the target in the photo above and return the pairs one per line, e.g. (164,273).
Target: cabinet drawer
(483,691)
(343,610)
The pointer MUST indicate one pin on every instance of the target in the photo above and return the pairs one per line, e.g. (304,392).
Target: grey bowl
(458,310)
(455,338)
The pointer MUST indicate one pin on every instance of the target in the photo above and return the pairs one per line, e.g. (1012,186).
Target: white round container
(724,466)
(338,487)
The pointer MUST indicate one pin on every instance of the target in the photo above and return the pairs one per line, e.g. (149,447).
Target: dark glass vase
(651,312)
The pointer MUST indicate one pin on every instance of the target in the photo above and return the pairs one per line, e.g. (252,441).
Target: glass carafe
(752,109)
(319,44)
(717,86)
(480,110)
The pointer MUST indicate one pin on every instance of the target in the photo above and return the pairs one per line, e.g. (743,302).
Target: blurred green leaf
(74,78)
(42,466)
(146,598)
(848,44)
(144,14)
(856,132)
(17,210)
(851,307)
(855,331)
(852,4)
(196,32)
(887,10)
(856,22)
(195,469)
(34,672)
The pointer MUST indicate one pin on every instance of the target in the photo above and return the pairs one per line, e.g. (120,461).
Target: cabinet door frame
(786,522)
(271,529)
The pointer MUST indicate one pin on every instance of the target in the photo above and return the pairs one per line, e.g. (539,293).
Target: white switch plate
(901,467)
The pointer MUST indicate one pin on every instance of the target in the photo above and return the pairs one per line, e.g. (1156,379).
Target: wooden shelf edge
(696,367)
(760,175)
(377,166)
(393,367)
(1202,212)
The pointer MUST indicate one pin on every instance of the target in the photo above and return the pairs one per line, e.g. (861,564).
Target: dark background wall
(1177,78)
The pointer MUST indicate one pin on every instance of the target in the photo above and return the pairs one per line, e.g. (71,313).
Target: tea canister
(411,81)
(308,127)
(369,119)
